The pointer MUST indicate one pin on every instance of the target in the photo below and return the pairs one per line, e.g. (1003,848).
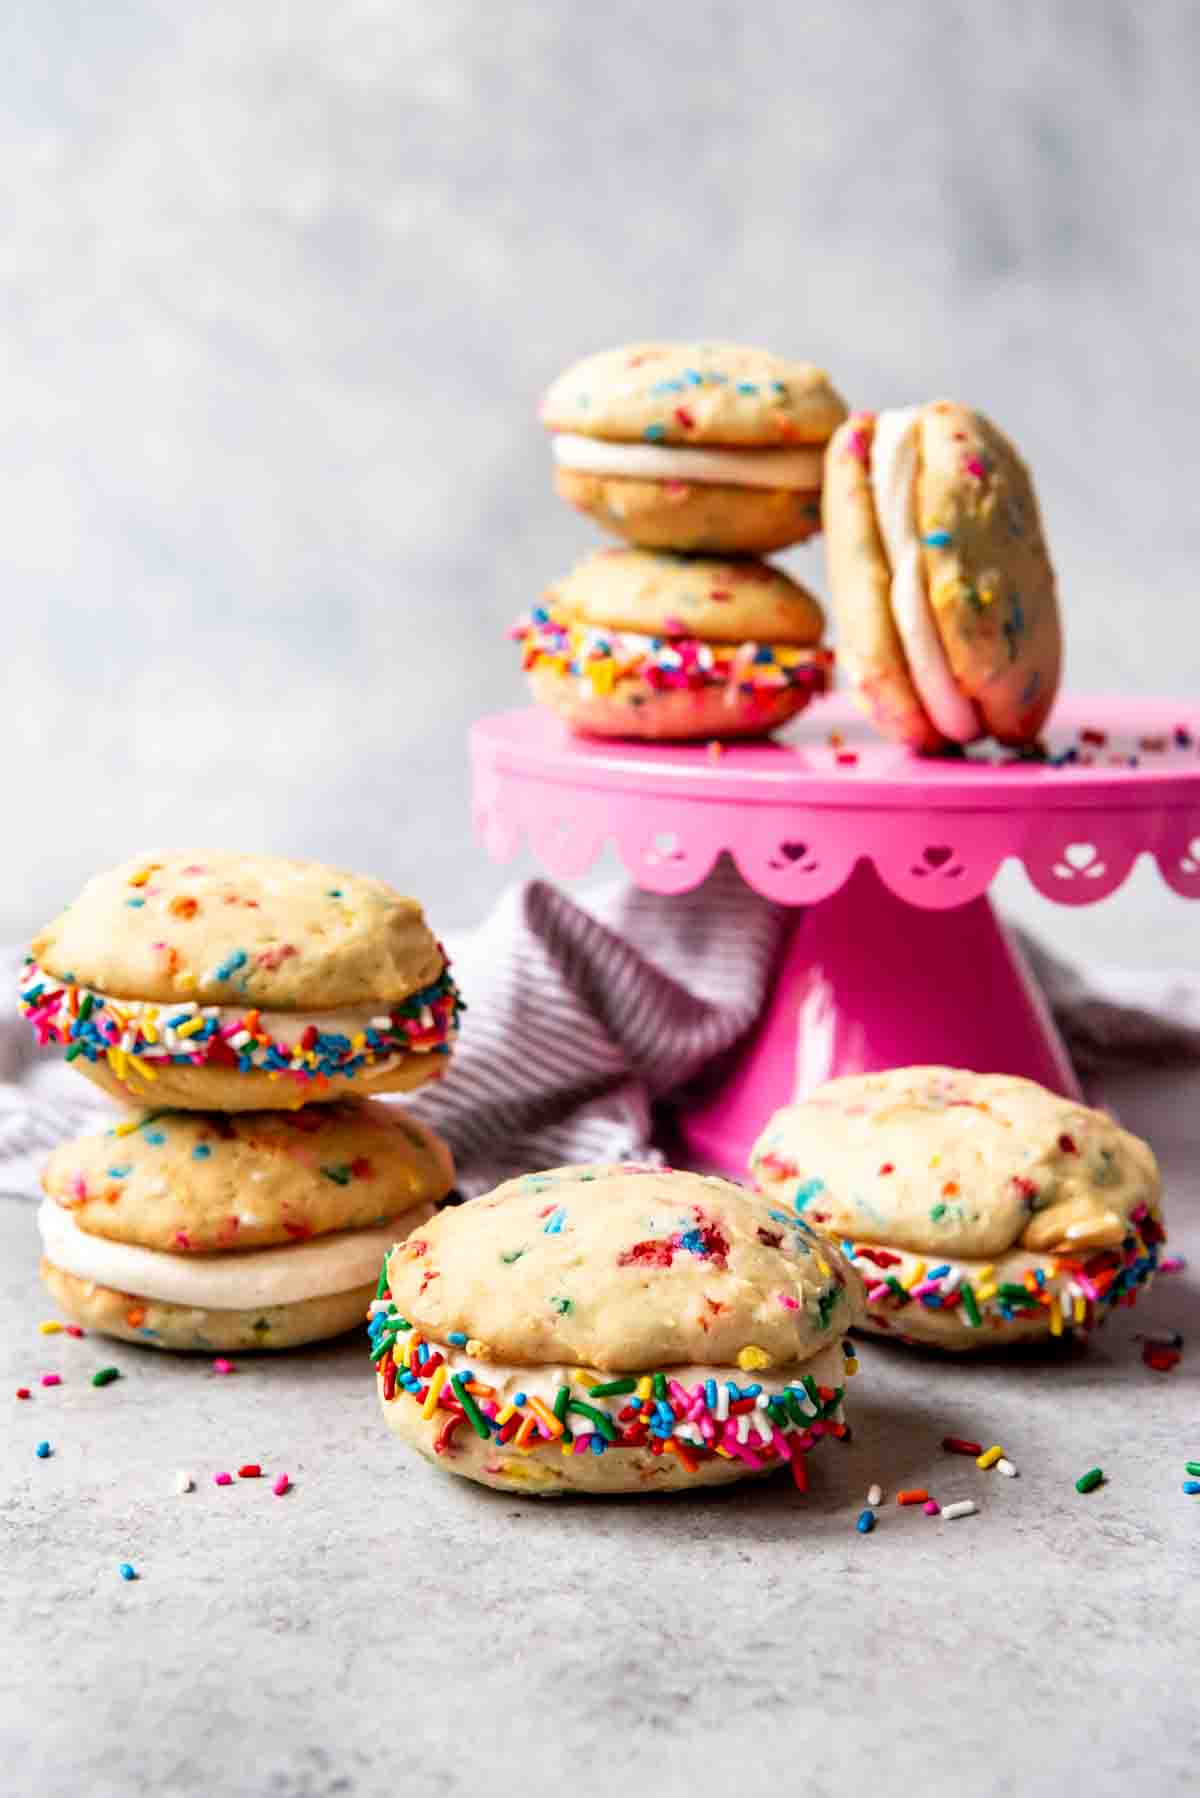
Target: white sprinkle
(184,1482)
(1006,1468)
(966,1507)
(874,1496)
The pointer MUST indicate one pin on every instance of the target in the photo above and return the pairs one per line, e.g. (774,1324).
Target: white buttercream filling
(894,469)
(285,1275)
(790,468)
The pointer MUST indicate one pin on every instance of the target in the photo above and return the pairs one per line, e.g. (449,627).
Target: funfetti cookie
(708,447)
(242,981)
(201,1230)
(943,591)
(980,1209)
(614,1329)
(633,644)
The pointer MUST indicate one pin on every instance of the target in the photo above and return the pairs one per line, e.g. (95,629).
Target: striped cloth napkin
(582,1023)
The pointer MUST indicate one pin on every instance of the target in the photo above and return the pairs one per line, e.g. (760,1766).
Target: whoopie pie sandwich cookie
(710,447)
(942,587)
(633,644)
(614,1329)
(980,1209)
(240,982)
(260,1229)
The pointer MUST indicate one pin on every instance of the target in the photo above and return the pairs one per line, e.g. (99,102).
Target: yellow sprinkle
(989,1457)
(723,1452)
(140,1067)
(51,1327)
(148,1031)
(982,1274)
(1080,1310)
(752,1359)
(116,1059)
(822,1266)
(438,1380)
(913,1275)
(645,1387)
(603,675)
(128,1127)
(191,1027)
(568,1448)
(850,1366)
(187,982)
(502,1417)
(1056,1322)
(358,1043)
(986,1292)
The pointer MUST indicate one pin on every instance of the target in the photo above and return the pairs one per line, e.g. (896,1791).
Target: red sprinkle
(282,1485)
(917,1495)
(889,1167)
(685,418)
(799,1470)
(958,1445)
(846,758)
(24,1392)
(251,1471)
(1067,1144)
(1161,1359)
(73,1330)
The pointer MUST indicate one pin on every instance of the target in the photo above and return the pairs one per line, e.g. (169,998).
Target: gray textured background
(281,286)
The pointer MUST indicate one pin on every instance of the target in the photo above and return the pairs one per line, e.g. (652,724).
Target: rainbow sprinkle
(136,1037)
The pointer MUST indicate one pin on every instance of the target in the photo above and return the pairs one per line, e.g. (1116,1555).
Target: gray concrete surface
(282,284)
(386,1628)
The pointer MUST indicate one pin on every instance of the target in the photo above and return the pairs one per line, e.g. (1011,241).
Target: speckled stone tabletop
(384,1627)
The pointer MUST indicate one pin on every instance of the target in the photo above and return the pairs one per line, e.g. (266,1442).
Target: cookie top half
(942,1161)
(689,596)
(694,393)
(626,1268)
(224,929)
(201,1182)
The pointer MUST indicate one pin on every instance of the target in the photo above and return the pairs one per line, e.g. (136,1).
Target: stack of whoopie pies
(246,1010)
(704,457)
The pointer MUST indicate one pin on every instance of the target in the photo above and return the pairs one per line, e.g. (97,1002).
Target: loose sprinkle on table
(958,1445)
(220,1365)
(127,1570)
(989,1457)
(222,1479)
(916,1495)
(184,1482)
(866,1522)
(282,1485)
(51,1379)
(931,1507)
(1087,1482)
(51,1327)
(104,1376)
(43,1451)
(73,1330)
(1005,1466)
(251,1471)
(965,1507)
(1192,1467)
(24,1392)
(875,1495)
(1191,1487)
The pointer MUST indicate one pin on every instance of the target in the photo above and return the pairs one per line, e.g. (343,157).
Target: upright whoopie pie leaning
(713,448)
(614,1329)
(942,586)
(238,982)
(664,646)
(980,1209)
(201,1230)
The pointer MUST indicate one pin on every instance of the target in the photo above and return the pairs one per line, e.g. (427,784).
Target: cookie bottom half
(156,1324)
(635,708)
(693,516)
(186,1088)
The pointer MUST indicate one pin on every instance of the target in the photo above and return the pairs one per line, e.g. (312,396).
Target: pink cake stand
(897,956)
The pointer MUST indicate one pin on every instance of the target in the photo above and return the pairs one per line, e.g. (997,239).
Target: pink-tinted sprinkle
(931,1507)
(282,1485)
(51,1379)
(222,1479)
(220,1365)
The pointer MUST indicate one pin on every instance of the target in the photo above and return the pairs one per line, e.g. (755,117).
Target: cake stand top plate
(797,813)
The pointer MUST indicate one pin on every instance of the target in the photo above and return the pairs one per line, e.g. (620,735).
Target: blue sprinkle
(135,903)
(939,1272)
(746,387)
(230,965)
(119,1173)
(518,1398)
(807,1191)
(458,1338)
(1191,1487)
(655,433)
(937,539)
(693,377)
(43,1451)
(127,1570)
(156,1138)
(554,1223)
(598,1443)
(866,1522)
(710,1394)
(778,387)
(201,1152)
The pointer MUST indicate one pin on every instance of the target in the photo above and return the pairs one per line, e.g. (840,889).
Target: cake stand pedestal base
(867,982)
